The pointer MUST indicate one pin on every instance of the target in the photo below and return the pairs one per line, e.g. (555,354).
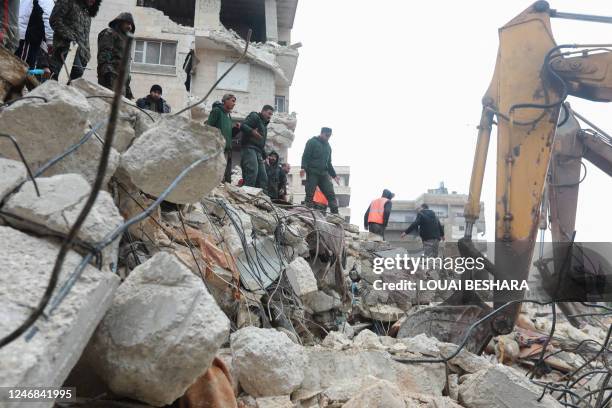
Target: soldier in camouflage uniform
(71,21)
(111,43)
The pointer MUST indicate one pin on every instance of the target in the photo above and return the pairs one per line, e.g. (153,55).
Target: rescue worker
(71,21)
(276,176)
(317,165)
(35,33)
(154,101)
(9,26)
(220,117)
(282,188)
(430,229)
(111,44)
(376,217)
(254,135)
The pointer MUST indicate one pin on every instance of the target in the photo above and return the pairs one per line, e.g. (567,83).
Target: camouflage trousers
(430,248)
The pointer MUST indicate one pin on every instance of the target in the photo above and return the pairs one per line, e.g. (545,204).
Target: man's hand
(237,125)
(302,173)
(337,180)
(47,73)
(256,134)
(403,235)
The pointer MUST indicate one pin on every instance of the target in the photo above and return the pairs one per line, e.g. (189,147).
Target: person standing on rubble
(9,26)
(282,187)
(154,101)
(221,118)
(377,216)
(254,135)
(71,21)
(35,33)
(111,43)
(276,176)
(318,168)
(430,229)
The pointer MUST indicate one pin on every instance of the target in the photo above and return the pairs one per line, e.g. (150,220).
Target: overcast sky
(400,82)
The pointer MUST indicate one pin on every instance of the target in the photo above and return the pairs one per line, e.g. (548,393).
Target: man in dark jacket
(376,217)
(220,117)
(430,229)
(254,135)
(71,21)
(35,32)
(282,187)
(153,101)
(277,179)
(317,165)
(111,44)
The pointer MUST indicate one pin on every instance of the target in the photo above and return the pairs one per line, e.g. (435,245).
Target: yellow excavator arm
(532,78)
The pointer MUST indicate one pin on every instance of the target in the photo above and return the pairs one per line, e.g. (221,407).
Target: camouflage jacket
(71,21)
(111,44)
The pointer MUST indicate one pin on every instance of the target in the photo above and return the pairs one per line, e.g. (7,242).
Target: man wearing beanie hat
(111,43)
(153,101)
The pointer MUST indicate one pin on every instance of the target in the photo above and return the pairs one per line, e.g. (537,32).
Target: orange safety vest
(319,197)
(377,211)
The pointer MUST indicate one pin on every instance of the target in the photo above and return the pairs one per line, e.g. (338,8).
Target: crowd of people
(45,31)
(42,32)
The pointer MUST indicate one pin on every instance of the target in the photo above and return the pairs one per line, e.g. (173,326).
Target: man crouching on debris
(317,165)
(71,21)
(430,229)
(220,117)
(254,135)
(154,101)
(111,42)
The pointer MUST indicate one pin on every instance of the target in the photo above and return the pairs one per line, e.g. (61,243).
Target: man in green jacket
(254,135)
(317,165)
(220,117)
(111,44)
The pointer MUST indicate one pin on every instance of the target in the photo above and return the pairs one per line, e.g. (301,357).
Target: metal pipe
(581,17)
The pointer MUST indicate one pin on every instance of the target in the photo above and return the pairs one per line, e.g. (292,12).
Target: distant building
(297,190)
(448,207)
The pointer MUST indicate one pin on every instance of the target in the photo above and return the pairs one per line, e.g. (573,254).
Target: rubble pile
(180,289)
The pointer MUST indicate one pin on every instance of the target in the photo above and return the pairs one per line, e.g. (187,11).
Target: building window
(280,104)
(155,53)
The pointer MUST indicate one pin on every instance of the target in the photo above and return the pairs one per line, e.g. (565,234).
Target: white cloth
(25,10)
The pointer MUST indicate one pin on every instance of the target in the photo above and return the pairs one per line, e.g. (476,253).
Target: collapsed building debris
(218,282)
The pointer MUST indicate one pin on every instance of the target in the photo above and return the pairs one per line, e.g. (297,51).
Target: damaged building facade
(210,35)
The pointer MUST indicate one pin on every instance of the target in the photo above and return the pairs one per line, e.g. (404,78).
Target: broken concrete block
(85,159)
(378,394)
(300,277)
(501,387)
(320,301)
(160,154)
(13,173)
(61,200)
(468,362)
(327,368)
(44,129)
(46,360)
(161,333)
(368,340)
(267,362)
(101,100)
(336,340)
(274,402)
